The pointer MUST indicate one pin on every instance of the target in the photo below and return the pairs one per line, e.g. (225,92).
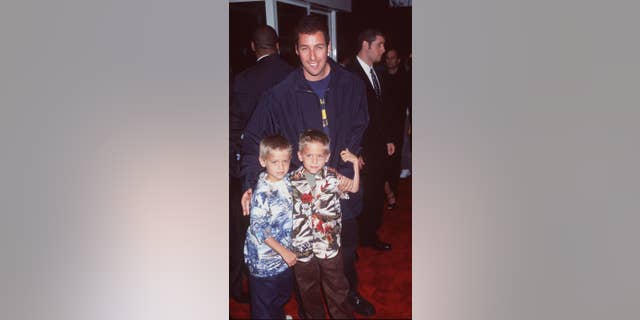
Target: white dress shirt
(367,69)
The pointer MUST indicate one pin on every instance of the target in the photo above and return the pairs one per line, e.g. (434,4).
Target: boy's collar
(319,174)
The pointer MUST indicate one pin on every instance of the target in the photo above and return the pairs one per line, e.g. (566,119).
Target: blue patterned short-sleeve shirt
(271,216)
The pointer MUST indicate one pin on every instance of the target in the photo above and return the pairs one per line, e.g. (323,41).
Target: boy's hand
(246,202)
(289,257)
(347,156)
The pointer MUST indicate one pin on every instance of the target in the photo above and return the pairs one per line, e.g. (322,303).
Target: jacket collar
(301,84)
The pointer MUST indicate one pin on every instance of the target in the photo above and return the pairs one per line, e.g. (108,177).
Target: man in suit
(248,86)
(377,142)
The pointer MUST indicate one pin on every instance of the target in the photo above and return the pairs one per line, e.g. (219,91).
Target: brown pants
(330,274)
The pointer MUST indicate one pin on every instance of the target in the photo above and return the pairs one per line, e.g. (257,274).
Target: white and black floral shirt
(317,217)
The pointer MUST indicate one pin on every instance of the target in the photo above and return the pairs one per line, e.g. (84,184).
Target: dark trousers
(238,225)
(373,196)
(393,167)
(269,295)
(323,274)
(405,161)
(349,239)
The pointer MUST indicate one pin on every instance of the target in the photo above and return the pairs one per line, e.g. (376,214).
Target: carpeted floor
(385,277)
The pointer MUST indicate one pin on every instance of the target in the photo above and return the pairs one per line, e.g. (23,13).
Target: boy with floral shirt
(317,225)
(267,247)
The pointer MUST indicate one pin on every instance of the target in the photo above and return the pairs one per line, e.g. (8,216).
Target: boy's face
(277,164)
(313,156)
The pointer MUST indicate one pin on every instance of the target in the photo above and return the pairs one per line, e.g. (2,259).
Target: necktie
(376,84)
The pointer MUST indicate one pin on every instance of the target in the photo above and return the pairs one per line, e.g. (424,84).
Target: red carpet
(385,277)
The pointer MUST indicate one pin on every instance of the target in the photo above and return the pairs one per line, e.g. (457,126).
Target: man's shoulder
(288,83)
(277,60)
(349,74)
(354,65)
(345,75)
(272,65)
(355,72)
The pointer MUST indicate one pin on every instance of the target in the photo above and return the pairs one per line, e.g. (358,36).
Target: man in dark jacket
(398,89)
(377,142)
(248,86)
(320,95)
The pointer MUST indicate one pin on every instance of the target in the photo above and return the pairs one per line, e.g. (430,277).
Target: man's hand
(344,184)
(391,148)
(246,202)
(360,162)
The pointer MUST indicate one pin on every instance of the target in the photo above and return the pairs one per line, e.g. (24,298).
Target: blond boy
(268,243)
(317,223)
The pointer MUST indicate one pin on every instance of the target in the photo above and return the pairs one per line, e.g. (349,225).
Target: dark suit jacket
(248,87)
(374,142)
(398,89)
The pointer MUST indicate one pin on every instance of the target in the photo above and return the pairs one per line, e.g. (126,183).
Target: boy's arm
(259,221)
(346,184)
(286,254)
(356,178)
(349,185)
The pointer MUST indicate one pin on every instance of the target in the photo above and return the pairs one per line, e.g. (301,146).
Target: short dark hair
(310,25)
(312,135)
(393,49)
(368,35)
(273,142)
(264,37)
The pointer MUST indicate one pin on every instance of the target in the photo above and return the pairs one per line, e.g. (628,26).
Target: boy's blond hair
(311,135)
(273,142)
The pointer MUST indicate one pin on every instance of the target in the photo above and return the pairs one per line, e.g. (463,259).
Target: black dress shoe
(361,306)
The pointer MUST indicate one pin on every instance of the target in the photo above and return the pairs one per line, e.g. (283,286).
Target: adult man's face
(392,60)
(375,49)
(312,50)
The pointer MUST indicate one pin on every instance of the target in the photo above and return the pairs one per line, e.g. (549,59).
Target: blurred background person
(398,89)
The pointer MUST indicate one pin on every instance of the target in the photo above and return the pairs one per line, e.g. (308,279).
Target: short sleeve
(259,217)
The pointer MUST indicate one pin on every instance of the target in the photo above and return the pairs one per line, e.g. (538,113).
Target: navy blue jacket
(248,86)
(291,107)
